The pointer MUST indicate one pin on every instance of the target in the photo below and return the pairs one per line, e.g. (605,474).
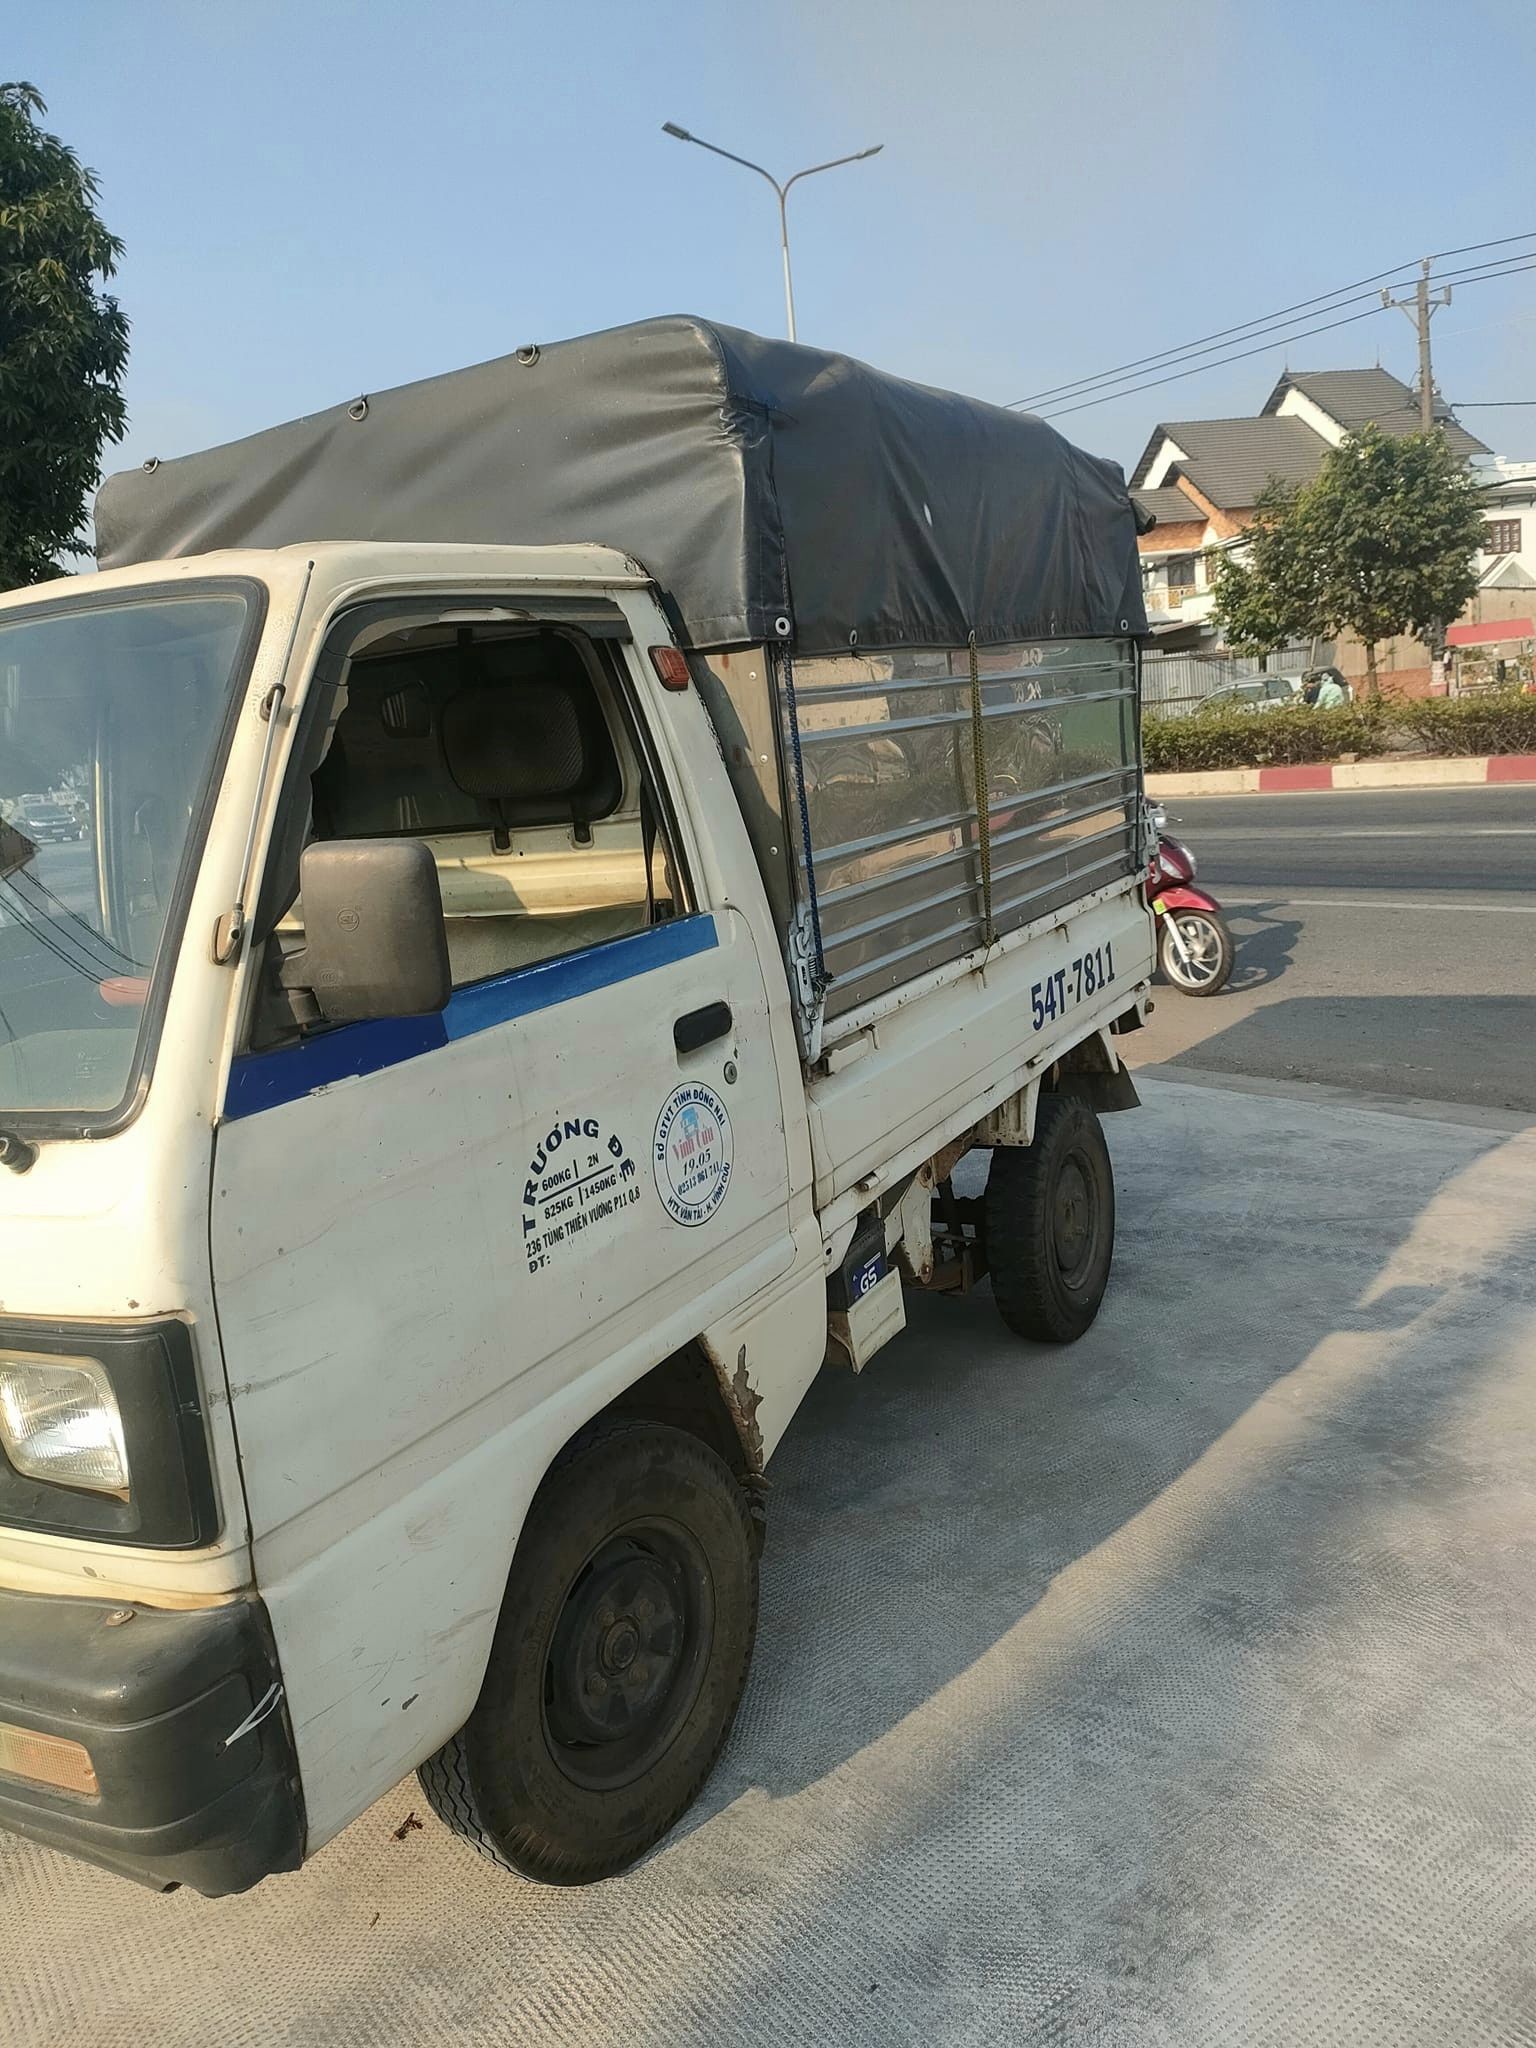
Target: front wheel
(1050,1224)
(1206,964)
(618,1661)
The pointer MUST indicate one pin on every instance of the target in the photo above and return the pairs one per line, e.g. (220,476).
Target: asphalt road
(1386,942)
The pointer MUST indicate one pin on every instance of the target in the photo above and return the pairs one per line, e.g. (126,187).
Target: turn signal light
(671,664)
(49,1760)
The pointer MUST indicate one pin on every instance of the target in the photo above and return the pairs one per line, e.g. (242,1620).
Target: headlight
(59,1421)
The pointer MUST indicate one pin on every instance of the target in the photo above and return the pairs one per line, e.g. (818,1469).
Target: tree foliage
(1271,593)
(1381,543)
(63,343)
(1395,524)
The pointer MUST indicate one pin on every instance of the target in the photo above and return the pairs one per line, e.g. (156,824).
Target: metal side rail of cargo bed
(860,778)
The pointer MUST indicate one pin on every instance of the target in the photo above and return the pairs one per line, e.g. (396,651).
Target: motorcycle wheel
(1208,944)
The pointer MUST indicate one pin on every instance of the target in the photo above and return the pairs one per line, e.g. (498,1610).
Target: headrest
(517,741)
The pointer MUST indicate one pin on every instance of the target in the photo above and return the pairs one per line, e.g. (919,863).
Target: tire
(618,1661)
(1209,943)
(1050,1224)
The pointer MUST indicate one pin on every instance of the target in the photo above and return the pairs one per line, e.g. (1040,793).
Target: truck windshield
(110,715)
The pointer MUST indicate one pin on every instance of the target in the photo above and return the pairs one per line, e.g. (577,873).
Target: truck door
(426,1229)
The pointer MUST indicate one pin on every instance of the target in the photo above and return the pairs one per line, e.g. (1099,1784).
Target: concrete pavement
(1175,1688)
(1385,943)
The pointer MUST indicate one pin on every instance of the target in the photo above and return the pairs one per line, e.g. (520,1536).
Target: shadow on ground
(1264,944)
(1432,1047)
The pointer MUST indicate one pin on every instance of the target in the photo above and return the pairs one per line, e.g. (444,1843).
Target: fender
(1184,896)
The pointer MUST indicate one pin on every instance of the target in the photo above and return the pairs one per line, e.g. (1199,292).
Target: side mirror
(375,944)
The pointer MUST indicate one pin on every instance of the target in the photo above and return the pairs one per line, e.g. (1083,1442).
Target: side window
(510,752)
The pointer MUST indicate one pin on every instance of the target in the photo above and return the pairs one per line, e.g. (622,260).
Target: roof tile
(1359,398)
(1232,460)
(1170,506)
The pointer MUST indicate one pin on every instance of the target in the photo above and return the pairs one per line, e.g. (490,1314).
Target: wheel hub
(1072,1220)
(1202,949)
(619,1646)
(624,1660)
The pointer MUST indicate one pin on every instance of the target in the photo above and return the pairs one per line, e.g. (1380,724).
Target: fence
(1174,685)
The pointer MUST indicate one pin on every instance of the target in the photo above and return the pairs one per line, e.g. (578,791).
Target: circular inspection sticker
(691,1153)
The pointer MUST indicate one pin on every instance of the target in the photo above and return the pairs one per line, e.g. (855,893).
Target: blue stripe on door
(262,1080)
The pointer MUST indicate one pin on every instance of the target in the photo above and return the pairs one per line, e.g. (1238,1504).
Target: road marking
(1282,797)
(1375,903)
(1370,832)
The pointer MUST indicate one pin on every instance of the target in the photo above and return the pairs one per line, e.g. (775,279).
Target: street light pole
(782,191)
(789,282)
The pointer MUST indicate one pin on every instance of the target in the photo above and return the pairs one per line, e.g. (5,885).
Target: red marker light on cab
(671,664)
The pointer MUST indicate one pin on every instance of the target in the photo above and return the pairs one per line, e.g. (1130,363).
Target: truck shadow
(1388,1045)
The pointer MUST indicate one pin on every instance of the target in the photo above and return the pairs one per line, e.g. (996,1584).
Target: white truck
(514,1015)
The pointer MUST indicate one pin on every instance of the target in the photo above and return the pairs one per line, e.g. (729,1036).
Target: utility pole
(1421,310)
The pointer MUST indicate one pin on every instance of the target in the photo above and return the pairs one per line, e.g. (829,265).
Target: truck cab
(207,1391)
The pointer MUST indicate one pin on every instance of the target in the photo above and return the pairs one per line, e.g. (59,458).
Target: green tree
(1394,524)
(1380,543)
(63,344)
(1271,593)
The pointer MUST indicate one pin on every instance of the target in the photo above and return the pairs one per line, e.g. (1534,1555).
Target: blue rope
(787,669)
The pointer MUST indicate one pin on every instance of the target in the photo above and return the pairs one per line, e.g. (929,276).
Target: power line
(1241,355)
(1250,330)
(1499,266)
(1271,341)
(1495,266)
(1488,404)
(1502,242)
(1221,334)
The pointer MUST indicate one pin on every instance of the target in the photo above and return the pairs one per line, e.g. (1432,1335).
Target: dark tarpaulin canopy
(755,480)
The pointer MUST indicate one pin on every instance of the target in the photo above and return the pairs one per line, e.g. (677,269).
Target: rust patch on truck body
(742,1401)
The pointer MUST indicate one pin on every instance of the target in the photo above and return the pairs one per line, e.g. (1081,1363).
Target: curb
(1451,773)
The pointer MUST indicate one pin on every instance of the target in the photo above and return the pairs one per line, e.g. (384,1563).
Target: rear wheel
(618,1662)
(1050,1224)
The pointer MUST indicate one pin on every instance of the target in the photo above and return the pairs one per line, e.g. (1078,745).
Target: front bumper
(157,1700)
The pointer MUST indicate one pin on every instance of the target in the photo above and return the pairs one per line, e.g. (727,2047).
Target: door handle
(701,1027)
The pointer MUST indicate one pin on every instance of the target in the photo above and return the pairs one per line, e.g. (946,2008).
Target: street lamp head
(782,190)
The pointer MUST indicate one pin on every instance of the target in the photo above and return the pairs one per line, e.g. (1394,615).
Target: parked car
(1253,693)
(43,819)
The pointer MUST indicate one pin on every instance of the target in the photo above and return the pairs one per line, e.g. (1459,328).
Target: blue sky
(325,198)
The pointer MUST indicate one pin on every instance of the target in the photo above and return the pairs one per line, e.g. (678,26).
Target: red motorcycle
(1194,947)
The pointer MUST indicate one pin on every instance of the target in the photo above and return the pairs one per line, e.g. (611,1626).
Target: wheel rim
(1074,1220)
(1202,944)
(628,1654)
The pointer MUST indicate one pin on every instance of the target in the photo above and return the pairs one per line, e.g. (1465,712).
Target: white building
(1507,565)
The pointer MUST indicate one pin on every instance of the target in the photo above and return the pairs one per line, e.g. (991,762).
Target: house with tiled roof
(1200,480)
